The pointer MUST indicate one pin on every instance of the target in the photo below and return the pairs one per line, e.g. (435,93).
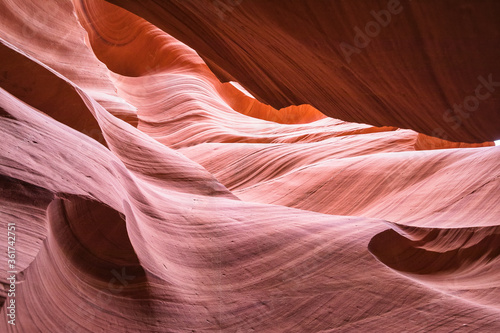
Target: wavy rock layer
(150,197)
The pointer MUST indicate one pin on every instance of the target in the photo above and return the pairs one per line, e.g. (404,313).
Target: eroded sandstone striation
(149,196)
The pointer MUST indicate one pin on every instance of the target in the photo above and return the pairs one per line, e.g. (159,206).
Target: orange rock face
(139,193)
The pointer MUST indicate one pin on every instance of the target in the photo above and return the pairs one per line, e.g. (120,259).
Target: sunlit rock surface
(148,196)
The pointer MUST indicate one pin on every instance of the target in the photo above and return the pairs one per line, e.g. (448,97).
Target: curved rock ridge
(467,256)
(437,188)
(116,35)
(147,196)
(49,33)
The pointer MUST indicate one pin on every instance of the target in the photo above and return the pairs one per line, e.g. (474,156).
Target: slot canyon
(249,166)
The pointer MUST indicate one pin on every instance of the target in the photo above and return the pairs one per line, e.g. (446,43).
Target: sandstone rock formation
(149,196)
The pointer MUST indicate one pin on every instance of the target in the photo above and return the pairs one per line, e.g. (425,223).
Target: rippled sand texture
(148,196)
